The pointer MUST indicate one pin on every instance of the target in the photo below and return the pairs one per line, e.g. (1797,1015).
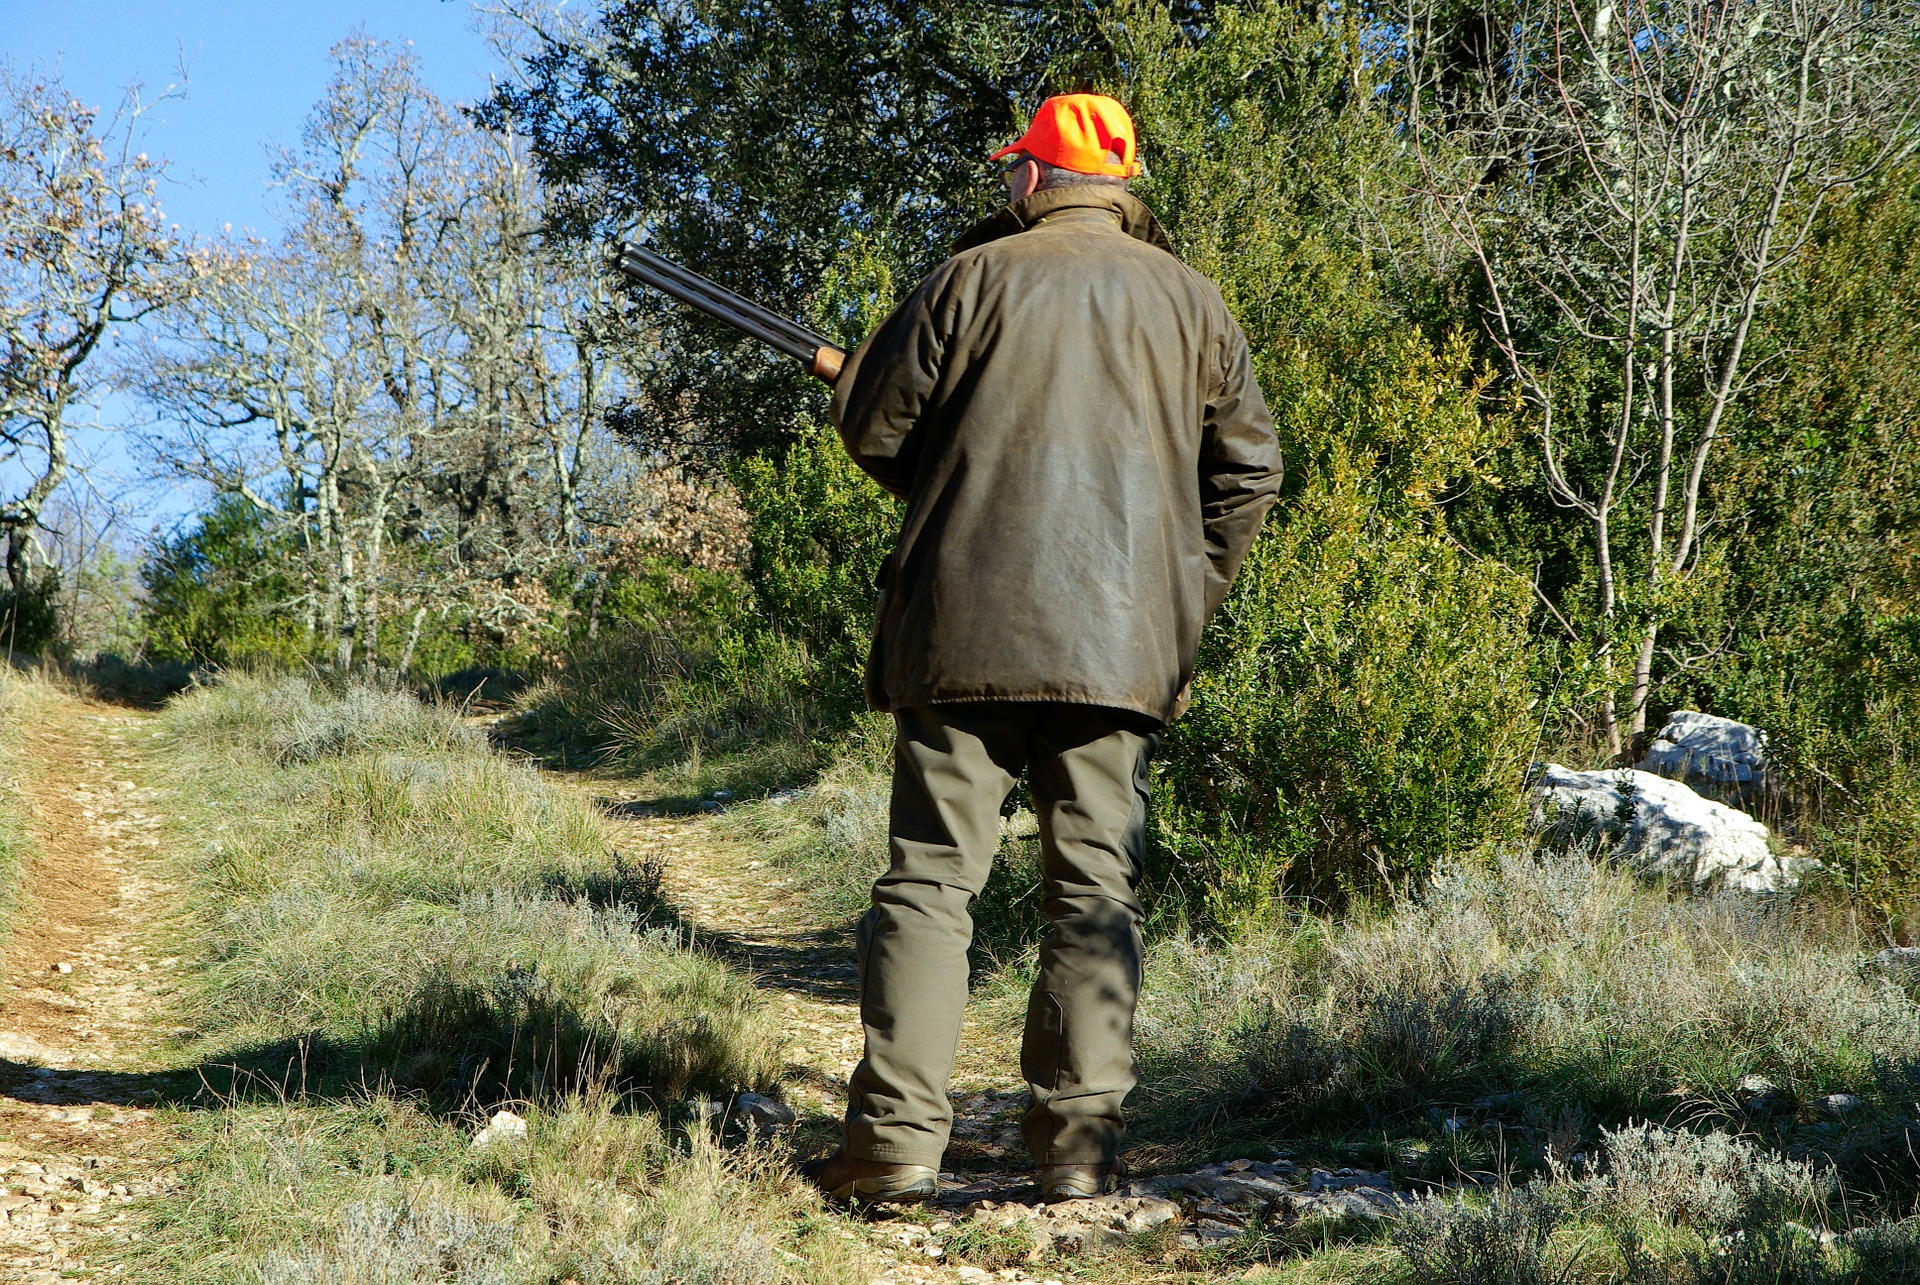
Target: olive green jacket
(1070,414)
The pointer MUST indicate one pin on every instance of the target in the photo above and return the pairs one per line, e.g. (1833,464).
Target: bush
(820,531)
(215,593)
(30,617)
(1705,1180)
(1361,706)
(1503,1242)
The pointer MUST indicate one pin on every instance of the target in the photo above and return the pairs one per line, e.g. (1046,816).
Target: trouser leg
(1088,769)
(953,767)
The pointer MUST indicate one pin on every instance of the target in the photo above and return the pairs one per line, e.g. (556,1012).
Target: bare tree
(409,379)
(1633,183)
(83,250)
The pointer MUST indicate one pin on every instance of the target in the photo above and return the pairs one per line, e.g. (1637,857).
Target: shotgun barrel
(820,355)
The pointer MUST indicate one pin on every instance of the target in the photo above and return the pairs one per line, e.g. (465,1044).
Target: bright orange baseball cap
(1082,133)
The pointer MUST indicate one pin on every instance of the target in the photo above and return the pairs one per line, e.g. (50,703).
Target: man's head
(1074,138)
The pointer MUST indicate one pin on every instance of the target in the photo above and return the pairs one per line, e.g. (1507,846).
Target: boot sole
(1059,1190)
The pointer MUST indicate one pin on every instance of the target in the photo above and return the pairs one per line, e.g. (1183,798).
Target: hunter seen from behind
(904,644)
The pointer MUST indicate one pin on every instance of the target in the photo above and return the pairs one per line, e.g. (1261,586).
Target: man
(1070,415)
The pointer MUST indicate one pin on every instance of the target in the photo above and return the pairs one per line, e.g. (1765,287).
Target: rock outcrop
(1662,829)
(1214,1203)
(1713,756)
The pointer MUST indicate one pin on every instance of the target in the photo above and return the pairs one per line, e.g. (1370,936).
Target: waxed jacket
(1070,414)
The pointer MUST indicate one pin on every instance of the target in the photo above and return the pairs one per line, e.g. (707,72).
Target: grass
(1518,1016)
(1536,994)
(685,720)
(24,697)
(401,931)
(377,1189)
(434,930)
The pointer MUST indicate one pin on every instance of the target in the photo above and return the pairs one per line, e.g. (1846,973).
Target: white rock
(1898,959)
(763,1114)
(1662,829)
(505,1126)
(1837,1104)
(1713,755)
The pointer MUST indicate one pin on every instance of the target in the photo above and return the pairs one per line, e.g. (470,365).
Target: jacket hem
(1156,713)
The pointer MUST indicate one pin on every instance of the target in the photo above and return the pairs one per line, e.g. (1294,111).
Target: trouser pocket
(1042,1045)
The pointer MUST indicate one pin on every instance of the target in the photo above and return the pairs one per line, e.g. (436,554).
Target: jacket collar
(1136,220)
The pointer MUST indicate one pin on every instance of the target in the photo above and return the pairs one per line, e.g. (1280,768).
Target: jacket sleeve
(883,389)
(1239,467)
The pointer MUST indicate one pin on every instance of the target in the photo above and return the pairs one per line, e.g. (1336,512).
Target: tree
(409,381)
(763,144)
(83,250)
(1632,186)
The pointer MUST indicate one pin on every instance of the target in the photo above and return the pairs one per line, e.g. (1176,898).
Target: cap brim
(1009,149)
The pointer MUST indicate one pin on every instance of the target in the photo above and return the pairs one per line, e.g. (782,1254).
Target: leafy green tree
(216,592)
(1362,701)
(1815,634)
(754,142)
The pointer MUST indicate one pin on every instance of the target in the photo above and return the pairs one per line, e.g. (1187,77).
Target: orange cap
(1082,133)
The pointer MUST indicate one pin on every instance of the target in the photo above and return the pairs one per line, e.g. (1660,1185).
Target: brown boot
(1080,1182)
(847,1180)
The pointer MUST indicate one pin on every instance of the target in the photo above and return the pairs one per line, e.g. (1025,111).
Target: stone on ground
(1714,756)
(1662,829)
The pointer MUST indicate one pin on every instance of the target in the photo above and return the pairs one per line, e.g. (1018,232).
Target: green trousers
(954,765)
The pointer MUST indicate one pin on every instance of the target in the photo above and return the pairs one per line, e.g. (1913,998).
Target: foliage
(690,122)
(434,447)
(29,615)
(1817,638)
(86,252)
(219,591)
(820,531)
(1361,700)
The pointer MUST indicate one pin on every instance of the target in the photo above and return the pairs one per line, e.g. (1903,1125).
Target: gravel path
(81,990)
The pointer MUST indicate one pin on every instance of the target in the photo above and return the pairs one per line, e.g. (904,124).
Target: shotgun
(820,355)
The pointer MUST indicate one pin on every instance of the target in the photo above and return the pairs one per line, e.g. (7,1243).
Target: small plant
(1503,1242)
(991,1245)
(1705,1180)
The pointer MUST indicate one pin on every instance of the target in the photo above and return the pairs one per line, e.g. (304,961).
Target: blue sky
(253,72)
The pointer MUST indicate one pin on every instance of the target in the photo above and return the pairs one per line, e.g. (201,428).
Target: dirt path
(80,989)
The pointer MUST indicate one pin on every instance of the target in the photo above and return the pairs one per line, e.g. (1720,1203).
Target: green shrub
(217,591)
(1361,704)
(1503,1242)
(30,617)
(1552,979)
(820,531)
(1361,708)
